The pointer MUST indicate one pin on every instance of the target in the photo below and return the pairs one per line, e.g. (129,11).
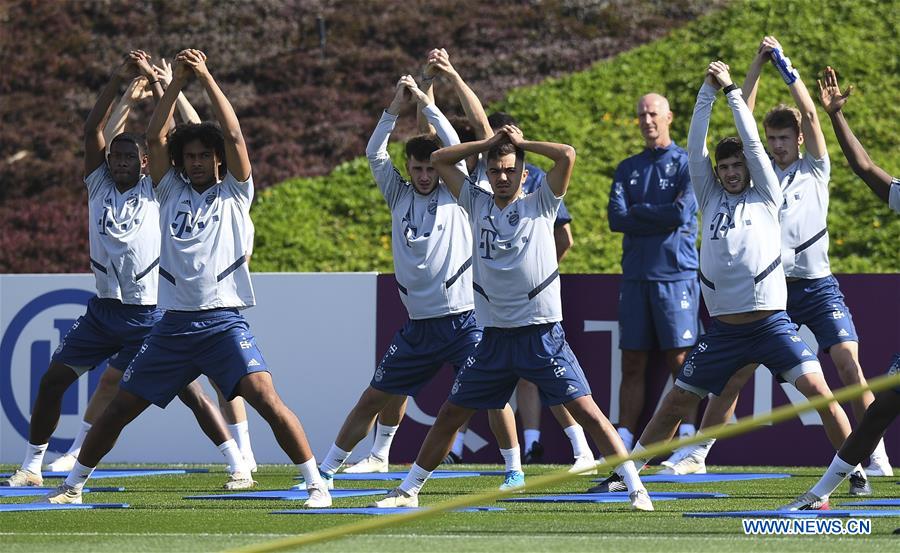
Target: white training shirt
(804,214)
(894,195)
(124,238)
(516,273)
(205,239)
(430,236)
(740,252)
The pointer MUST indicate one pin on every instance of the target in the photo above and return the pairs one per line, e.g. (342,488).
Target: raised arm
(235,148)
(446,161)
(94,140)
(427,87)
(157,129)
(185,109)
(703,178)
(833,101)
(471,105)
(751,80)
(813,138)
(115,125)
(562,156)
(386,176)
(755,155)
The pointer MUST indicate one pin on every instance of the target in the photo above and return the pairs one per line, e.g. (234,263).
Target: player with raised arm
(814,296)
(652,203)
(432,249)
(886,407)
(204,208)
(741,275)
(124,247)
(516,280)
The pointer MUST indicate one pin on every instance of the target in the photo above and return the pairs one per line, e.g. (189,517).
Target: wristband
(729,88)
(153,82)
(427,79)
(783,64)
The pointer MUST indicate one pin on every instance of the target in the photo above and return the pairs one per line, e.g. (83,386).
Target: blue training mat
(121,473)
(615,497)
(27,491)
(286,494)
(54,507)
(833,513)
(706,478)
(402,475)
(376,511)
(895,502)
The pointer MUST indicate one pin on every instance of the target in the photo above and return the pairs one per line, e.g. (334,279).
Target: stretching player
(741,275)
(204,283)
(814,298)
(432,248)
(516,280)
(886,407)
(124,244)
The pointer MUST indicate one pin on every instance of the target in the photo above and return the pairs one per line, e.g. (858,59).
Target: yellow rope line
(742,426)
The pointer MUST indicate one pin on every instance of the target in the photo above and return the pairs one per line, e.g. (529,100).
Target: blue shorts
(110,330)
(184,345)
(725,348)
(819,304)
(658,313)
(421,348)
(895,369)
(537,353)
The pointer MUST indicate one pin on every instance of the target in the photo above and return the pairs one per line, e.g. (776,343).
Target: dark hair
(207,133)
(463,129)
(505,149)
(729,147)
(139,140)
(421,147)
(500,118)
(783,116)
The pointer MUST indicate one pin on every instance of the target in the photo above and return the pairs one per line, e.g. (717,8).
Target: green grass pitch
(160,520)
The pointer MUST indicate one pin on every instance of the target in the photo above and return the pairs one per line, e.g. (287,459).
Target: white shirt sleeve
(98,180)
(386,175)
(169,181)
(758,163)
(548,202)
(703,178)
(240,190)
(445,131)
(894,195)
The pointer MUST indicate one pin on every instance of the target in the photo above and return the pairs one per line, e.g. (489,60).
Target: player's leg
(528,407)
(357,426)
(235,414)
(503,426)
(581,449)
(386,425)
(636,339)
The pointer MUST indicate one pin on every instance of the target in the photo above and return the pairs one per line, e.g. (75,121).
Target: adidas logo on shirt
(253,363)
(843,333)
(571,390)
(805,353)
(687,335)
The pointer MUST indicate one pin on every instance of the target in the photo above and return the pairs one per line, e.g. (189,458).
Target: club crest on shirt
(633,178)
(131,201)
(670,169)
(432,206)
(513,218)
(210,198)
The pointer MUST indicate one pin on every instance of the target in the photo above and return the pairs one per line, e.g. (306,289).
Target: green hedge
(340,223)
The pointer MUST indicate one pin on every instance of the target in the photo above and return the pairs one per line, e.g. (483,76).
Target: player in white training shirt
(432,249)
(204,212)
(124,246)
(741,275)
(886,407)
(814,297)
(516,281)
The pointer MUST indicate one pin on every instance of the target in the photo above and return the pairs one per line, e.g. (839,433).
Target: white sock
(384,435)
(702,449)
(310,472)
(580,447)
(531,436)
(241,433)
(334,459)
(629,475)
(837,472)
(415,479)
(880,453)
(511,458)
(458,442)
(640,461)
(34,457)
(78,476)
(79,439)
(233,457)
(627,437)
(686,430)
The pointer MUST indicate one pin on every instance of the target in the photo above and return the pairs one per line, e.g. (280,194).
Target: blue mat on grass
(376,511)
(286,494)
(706,478)
(35,491)
(121,473)
(842,513)
(402,475)
(53,507)
(894,502)
(616,497)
